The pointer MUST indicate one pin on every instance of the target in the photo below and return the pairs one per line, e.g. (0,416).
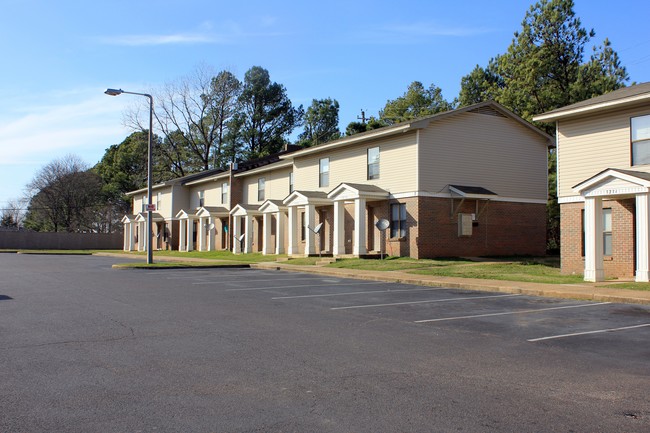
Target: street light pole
(116,92)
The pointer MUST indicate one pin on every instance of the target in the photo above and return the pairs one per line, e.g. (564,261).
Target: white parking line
(423,302)
(358,293)
(220,280)
(600,331)
(292,287)
(512,312)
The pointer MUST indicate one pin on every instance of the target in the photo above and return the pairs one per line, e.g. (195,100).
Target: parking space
(531,319)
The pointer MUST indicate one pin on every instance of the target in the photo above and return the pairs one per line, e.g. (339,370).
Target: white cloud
(171,39)
(39,133)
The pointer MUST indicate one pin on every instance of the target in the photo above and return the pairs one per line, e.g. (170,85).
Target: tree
(321,122)
(265,116)
(13,213)
(7,220)
(416,102)
(63,196)
(357,127)
(543,69)
(123,168)
(191,115)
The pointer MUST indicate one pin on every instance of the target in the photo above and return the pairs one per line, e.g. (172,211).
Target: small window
(290,182)
(261,186)
(607,232)
(201,198)
(640,135)
(324,172)
(373,163)
(145,201)
(398,220)
(158,200)
(224,193)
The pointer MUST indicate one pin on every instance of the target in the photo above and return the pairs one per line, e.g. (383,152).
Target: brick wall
(621,262)
(503,228)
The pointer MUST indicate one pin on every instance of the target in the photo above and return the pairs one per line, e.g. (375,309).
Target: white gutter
(589,108)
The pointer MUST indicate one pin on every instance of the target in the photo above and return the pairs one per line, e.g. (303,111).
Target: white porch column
(339,228)
(142,244)
(201,234)
(127,234)
(642,238)
(211,233)
(293,230)
(594,239)
(266,242)
(190,235)
(248,230)
(359,226)
(182,232)
(236,233)
(131,236)
(280,221)
(310,238)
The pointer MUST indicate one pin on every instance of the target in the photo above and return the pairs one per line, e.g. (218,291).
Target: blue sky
(59,57)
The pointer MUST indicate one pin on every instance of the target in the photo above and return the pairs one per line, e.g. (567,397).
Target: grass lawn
(212,255)
(526,271)
(630,286)
(393,263)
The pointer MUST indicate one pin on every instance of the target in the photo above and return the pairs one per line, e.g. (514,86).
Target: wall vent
(489,111)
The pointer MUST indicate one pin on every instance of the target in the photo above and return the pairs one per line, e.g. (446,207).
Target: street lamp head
(114,92)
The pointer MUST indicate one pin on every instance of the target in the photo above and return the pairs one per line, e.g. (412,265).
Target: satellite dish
(318,228)
(382,224)
(211,226)
(241,238)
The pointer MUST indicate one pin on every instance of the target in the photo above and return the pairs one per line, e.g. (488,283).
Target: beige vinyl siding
(166,202)
(397,165)
(212,196)
(181,199)
(587,146)
(276,186)
(483,150)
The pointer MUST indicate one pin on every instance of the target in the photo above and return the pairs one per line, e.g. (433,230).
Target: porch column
(642,238)
(359,226)
(131,236)
(594,239)
(201,234)
(266,241)
(310,238)
(293,238)
(210,233)
(248,230)
(339,228)
(280,222)
(182,232)
(142,245)
(127,235)
(235,234)
(190,235)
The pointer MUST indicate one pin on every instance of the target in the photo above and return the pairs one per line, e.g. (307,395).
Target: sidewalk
(582,291)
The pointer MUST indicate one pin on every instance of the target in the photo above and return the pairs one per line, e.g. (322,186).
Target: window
(607,232)
(640,132)
(373,163)
(261,185)
(324,172)
(144,203)
(398,220)
(290,182)
(224,193)
(158,200)
(201,198)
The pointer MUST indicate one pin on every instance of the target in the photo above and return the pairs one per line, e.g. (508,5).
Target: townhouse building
(467,182)
(603,184)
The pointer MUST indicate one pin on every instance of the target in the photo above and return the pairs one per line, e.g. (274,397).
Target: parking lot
(88,348)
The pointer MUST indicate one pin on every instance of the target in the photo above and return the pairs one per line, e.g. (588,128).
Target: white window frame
(261,189)
(372,166)
(323,175)
(640,139)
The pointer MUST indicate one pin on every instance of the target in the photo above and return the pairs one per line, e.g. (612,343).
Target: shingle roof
(638,90)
